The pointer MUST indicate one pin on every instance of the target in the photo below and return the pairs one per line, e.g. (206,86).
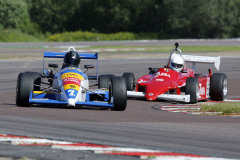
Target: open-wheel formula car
(70,85)
(176,82)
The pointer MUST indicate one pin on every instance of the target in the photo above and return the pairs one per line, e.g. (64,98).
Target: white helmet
(177,62)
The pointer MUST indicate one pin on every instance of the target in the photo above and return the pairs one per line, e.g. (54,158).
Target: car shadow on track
(58,107)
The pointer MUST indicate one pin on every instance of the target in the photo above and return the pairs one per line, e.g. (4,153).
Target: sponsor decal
(73,75)
(141,81)
(71,86)
(162,74)
(150,94)
(71,68)
(71,80)
(160,80)
(100,91)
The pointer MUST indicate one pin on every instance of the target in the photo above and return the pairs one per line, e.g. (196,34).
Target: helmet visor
(175,65)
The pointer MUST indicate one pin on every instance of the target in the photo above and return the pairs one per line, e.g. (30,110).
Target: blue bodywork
(50,99)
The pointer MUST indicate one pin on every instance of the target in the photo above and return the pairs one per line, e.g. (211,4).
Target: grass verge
(168,49)
(224,108)
(12,35)
(15,51)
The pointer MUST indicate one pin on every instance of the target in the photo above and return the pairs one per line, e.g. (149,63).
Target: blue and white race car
(70,85)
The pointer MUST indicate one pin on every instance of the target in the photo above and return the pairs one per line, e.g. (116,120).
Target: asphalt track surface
(142,125)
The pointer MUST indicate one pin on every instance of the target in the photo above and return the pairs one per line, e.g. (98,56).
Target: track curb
(195,108)
(101,149)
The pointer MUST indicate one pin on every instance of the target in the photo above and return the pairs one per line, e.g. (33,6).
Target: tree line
(166,18)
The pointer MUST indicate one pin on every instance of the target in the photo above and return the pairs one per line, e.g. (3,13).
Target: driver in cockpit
(71,59)
(177,62)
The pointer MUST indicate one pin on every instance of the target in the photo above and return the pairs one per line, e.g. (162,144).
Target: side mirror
(88,66)
(152,70)
(53,65)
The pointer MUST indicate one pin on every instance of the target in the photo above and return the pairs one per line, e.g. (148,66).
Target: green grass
(90,36)
(210,48)
(160,49)
(168,49)
(11,35)
(225,108)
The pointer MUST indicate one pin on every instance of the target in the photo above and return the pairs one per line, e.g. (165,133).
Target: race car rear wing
(202,59)
(194,59)
(62,54)
(82,56)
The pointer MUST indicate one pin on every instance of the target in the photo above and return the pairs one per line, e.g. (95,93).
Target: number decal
(201,89)
(71,92)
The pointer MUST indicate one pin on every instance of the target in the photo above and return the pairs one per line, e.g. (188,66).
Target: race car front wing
(168,97)
(49,99)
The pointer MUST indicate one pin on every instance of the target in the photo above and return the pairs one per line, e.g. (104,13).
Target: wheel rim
(225,90)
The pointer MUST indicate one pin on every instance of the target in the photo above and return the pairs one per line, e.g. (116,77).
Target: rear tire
(130,80)
(119,92)
(104,81)
(25,85)
(218,86)
(192,88)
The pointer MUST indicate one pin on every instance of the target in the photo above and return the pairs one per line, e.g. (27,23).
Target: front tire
(130,80)
(119,92)
(36,79)
(25,85)
(192,88)
(104,81)
(218,86)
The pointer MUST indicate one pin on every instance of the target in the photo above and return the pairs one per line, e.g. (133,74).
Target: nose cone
(71,102)
(152,91)
(151,96)
(71,80)
(71,91)
(71,86)
(155,88)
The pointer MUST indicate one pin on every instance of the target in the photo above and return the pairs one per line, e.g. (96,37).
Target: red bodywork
(166,80)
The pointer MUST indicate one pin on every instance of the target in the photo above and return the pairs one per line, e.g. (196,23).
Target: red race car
(176,82)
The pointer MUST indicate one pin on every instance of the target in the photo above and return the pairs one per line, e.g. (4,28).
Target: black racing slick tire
(104,81)
(130,80)
(36,78)
(119,92)
(218,86)
(25,85)
(192,89)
